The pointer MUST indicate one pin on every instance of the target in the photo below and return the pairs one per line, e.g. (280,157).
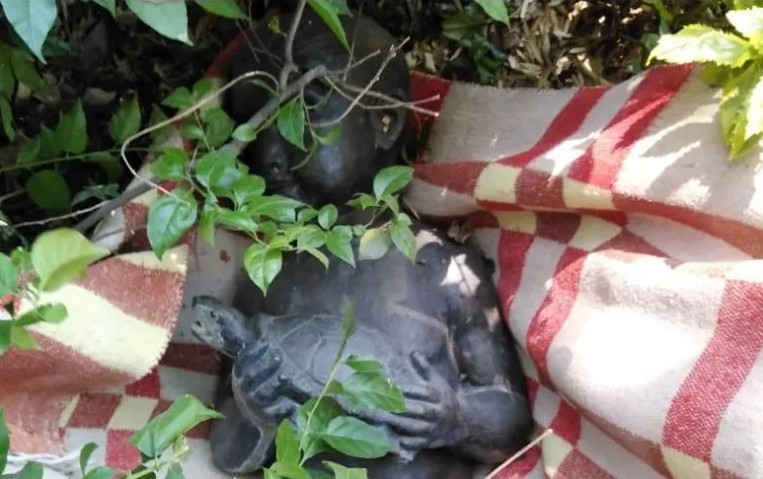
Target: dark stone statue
(435,324)
(370,139)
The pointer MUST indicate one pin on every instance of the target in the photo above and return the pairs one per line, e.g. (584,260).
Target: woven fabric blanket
(627,262)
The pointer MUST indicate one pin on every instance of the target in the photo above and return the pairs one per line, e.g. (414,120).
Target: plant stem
(70,158)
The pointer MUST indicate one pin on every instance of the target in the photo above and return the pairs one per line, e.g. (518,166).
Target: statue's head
(370,136)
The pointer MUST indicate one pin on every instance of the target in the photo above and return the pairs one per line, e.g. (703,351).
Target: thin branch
(237,146)
(351,56)
(272,105)
(349,68)
(289,65)
(513,458)
(391,102)
(179,116)
(392,52)
(62,217)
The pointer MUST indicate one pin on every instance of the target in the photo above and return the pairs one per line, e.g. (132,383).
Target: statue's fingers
(420,393)
(421,366)
(252,375)
(397,422)
(283,407)
(414,443)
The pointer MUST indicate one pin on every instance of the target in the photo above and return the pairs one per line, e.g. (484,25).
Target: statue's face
(364,141)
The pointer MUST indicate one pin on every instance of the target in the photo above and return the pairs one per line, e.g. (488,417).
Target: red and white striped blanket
(627,262)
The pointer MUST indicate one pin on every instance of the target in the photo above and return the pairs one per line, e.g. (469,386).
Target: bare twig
(179,116)
(272,105)
(256,120)
(288,53)
(391,102)
(351,56)
(111,205)
(513,458)
(390,55)
(62,217)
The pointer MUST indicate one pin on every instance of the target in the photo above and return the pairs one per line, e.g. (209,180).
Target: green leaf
(363,201)
(169,218)
(50,145)
(236,219)
(5,337)
(218,126)
(348,318)
(158,116)
(24,69)
(279,208)
(373,244)
(185,413)
(53,313)
(291,123)
(496,9)
(207,223)
(84,456)
(224,8)
(32,20)
(7,78)
(6,115)
(71,132)
(5,441)
(329,11)
(110,5)
(327,216)
(310,237)
(247,188)
(700,44)
(341,472)
(339,243)
(404,240)
(62,254)
(101,192)
(330,137)
(31,470)
(102,472)
(373,390)
(126,121)
(363,365)
(192,132)
(170,165)
(167,18)
(180,99)
(748,22)
(218,171)
(48,189)
(8,275)
(262,264)
(22,339)
(356,438)
(287,443)
(108,163)
(326,410)
(30,152)
(174,472)
(306,214)
(392,179)
(289,470)
(754,121)
(245,132)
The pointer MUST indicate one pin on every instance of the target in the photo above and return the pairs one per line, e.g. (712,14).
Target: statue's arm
(492,395)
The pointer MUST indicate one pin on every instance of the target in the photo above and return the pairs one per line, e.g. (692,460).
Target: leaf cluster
(216,190)
(322,426)
(732,60)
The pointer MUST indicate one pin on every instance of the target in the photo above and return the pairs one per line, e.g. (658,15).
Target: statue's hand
(263,386)
(431,412)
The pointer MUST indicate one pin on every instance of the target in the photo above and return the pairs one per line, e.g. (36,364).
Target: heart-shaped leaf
(32,20)
(62,254)
(169,218)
